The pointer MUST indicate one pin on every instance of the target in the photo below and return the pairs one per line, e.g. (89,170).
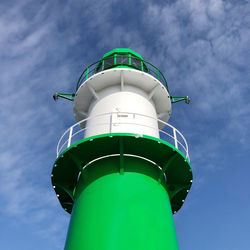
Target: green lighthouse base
(121,190)
(121,211)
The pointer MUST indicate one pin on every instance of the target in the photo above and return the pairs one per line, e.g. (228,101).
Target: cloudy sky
(202,47)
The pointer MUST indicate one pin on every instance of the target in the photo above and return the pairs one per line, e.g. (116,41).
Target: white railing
(77,132)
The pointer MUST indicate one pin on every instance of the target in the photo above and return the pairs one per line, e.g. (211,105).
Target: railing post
(141,66)
(87,74)
(158,76)
(70,136)
(175,138)
(129,59)
(102,65)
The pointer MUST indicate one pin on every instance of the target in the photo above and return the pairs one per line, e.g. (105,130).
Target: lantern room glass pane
(136,63)
(123,60)
(109,62)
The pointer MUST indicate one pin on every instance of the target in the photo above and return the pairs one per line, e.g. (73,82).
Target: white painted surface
(127,103)
(76,132)
(122,80)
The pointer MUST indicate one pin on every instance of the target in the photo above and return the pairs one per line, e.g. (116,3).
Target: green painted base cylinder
(118,209)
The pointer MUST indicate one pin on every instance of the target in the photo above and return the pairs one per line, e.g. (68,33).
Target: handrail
(69,134)
(143,65)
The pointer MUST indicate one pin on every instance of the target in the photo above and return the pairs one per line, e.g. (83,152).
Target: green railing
(121,61)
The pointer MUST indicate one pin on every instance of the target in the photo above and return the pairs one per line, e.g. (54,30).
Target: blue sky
(202,47)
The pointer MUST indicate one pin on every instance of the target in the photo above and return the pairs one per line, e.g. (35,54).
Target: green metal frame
(122,51)
(69,97)
(174,164)
(179,99)
(99,66)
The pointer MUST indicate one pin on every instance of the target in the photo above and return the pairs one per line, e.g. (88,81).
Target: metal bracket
(166,165)
(93,92)
(70,193)
(122,80)
(69,97)
(177,190)
(178,99)
(76,160)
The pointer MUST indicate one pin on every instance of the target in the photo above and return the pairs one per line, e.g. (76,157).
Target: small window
(122,60)
(109,62)
(136,63)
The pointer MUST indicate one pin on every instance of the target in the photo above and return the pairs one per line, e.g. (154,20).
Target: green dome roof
(122,51)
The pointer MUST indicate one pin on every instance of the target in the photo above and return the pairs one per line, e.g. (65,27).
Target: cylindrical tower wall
(127,111)
(114,211)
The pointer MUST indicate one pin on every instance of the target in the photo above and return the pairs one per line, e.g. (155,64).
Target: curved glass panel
(136,63)
(122,59)
(108,62)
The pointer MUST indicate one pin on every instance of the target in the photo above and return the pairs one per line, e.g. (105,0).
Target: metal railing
(121,61)
(77,132)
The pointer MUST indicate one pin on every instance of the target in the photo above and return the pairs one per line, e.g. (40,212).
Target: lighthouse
(122,170)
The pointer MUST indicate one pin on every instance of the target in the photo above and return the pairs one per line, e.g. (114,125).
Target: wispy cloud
(28,124)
